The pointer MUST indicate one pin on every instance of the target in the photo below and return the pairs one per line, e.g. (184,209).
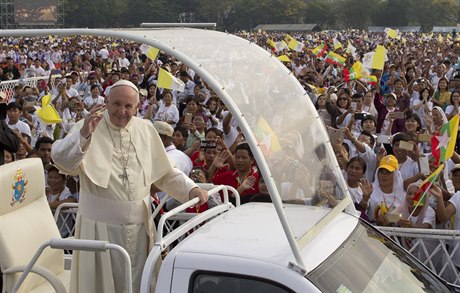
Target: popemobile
(309,238)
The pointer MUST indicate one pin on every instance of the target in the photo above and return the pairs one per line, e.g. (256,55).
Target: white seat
(29,237)
(26,222)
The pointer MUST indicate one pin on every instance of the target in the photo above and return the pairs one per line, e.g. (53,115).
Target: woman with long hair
(344,107)
(423,105)
(441,96)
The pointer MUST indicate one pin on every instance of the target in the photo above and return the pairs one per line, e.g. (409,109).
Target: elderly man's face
(122,104)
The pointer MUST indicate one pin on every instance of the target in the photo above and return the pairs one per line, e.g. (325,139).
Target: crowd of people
(380,131)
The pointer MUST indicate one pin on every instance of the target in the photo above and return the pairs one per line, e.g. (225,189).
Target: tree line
(232,15)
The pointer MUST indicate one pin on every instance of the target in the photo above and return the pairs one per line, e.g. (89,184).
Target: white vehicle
(309,239)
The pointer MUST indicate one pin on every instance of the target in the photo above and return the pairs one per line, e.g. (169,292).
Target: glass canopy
(276,115)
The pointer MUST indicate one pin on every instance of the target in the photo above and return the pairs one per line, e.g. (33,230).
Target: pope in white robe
(118,157)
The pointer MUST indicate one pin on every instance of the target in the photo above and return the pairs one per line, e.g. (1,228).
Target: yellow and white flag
(296,45)
(391,32)
(47,112)
(351,50)
(293,44)
(376,59)
(150,51)
(278,46)
(167,81)
(284,58)
(337,44)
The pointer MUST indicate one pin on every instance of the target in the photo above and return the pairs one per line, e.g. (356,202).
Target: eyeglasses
(343,98)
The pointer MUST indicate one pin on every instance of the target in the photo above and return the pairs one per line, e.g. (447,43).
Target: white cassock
(111,208)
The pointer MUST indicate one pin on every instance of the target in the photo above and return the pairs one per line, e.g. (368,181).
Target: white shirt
(450,108)
(22,126)
(123,62)
(40,129)
(65,194)
(166,114)
(408,169)
(181,160)
(421,111)
(392,200)
(429,217)
(104,53)
(371,162)
(90,101)
(356,194)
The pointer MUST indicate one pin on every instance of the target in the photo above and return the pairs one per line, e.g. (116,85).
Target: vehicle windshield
(370,262)
(274,111)
(281,118)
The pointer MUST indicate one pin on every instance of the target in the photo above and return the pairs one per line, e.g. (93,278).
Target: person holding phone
(407,153)
(197,129)
(386,106)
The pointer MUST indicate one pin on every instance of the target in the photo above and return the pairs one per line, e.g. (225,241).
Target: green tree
(431,13)
(140,11)
(392,13)
(319,12)
(210,11)
(355,13)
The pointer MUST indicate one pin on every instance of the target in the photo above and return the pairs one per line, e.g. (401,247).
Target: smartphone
(393,218)
(360,116)
(399,115)
(353,106)
(383,139)
(326,187)
(424,165)
(208,144)
(336,135)
(29,104)
(188,118)
(406,145)
(424,137)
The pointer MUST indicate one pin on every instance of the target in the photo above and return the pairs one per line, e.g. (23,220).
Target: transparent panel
(280,118)
(280,115)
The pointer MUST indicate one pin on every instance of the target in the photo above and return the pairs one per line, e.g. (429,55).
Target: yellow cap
(389,162)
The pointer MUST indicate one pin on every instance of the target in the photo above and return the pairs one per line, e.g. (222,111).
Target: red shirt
(231,178)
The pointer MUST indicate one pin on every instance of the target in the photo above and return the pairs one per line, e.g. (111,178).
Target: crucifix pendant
(124,178)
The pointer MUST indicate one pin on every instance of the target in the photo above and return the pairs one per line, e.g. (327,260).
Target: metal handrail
(432,247)
(64,206)
(78,244)
(164,241)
